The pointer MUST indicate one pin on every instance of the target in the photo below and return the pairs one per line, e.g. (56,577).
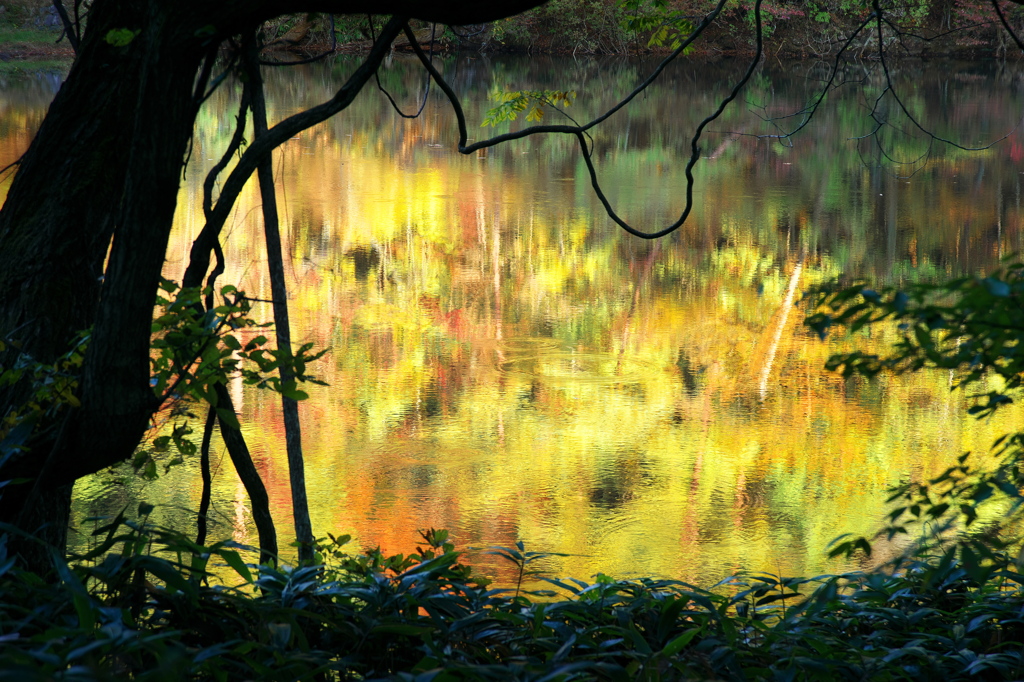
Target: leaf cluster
(971,327)
(666,27)
(513,102)
(142,605)
(195,348)
(51,388)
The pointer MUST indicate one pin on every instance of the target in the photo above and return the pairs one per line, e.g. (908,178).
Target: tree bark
(96,171)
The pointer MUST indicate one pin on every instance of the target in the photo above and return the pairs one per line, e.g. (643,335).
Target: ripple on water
(557,366)
(414,450)
(529,345)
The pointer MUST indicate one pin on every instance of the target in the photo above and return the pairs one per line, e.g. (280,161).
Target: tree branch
(275,264)
(580,130)
(881,21)
(280,133)
(1006,25)
(70,28)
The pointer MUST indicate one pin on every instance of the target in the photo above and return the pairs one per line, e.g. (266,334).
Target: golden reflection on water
(507,364)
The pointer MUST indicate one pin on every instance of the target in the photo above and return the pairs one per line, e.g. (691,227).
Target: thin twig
(888,79)
(426,92)
(808,112)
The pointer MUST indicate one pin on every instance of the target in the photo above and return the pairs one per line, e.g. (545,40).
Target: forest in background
(795,29)
(817,28)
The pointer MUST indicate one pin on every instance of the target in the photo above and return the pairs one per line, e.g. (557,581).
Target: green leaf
(510,103)
(120,37)
(771,598)
(235,561)
(294,394)
(680,642)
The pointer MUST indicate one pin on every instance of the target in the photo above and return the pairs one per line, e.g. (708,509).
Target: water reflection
(506,363)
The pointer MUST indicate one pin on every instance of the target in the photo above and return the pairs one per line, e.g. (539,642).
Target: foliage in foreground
(971,327)
(142,606)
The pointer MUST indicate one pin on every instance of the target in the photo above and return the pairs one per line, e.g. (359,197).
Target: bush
(142,605)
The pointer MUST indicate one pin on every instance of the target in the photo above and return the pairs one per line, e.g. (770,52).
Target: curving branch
(808,112)
(580,131)
(694,147)
(426,92)
(570,130)
(225,159)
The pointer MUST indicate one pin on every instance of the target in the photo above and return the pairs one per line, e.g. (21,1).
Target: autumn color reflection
(507,364)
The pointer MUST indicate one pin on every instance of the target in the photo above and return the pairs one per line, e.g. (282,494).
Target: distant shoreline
(33,45)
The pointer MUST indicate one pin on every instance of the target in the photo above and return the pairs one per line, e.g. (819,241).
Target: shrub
(142,605)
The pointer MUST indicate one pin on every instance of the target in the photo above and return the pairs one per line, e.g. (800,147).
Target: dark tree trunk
(105,165)
(282,323)
(250,477)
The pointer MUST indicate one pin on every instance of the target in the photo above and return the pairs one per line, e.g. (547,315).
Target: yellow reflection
(507,364)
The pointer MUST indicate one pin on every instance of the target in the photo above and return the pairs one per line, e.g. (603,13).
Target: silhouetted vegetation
(142,606)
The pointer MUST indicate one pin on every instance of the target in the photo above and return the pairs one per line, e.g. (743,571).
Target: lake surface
(506,363)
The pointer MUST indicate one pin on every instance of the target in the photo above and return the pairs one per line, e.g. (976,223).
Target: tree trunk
(97,170)
(282,324)
(250,477)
